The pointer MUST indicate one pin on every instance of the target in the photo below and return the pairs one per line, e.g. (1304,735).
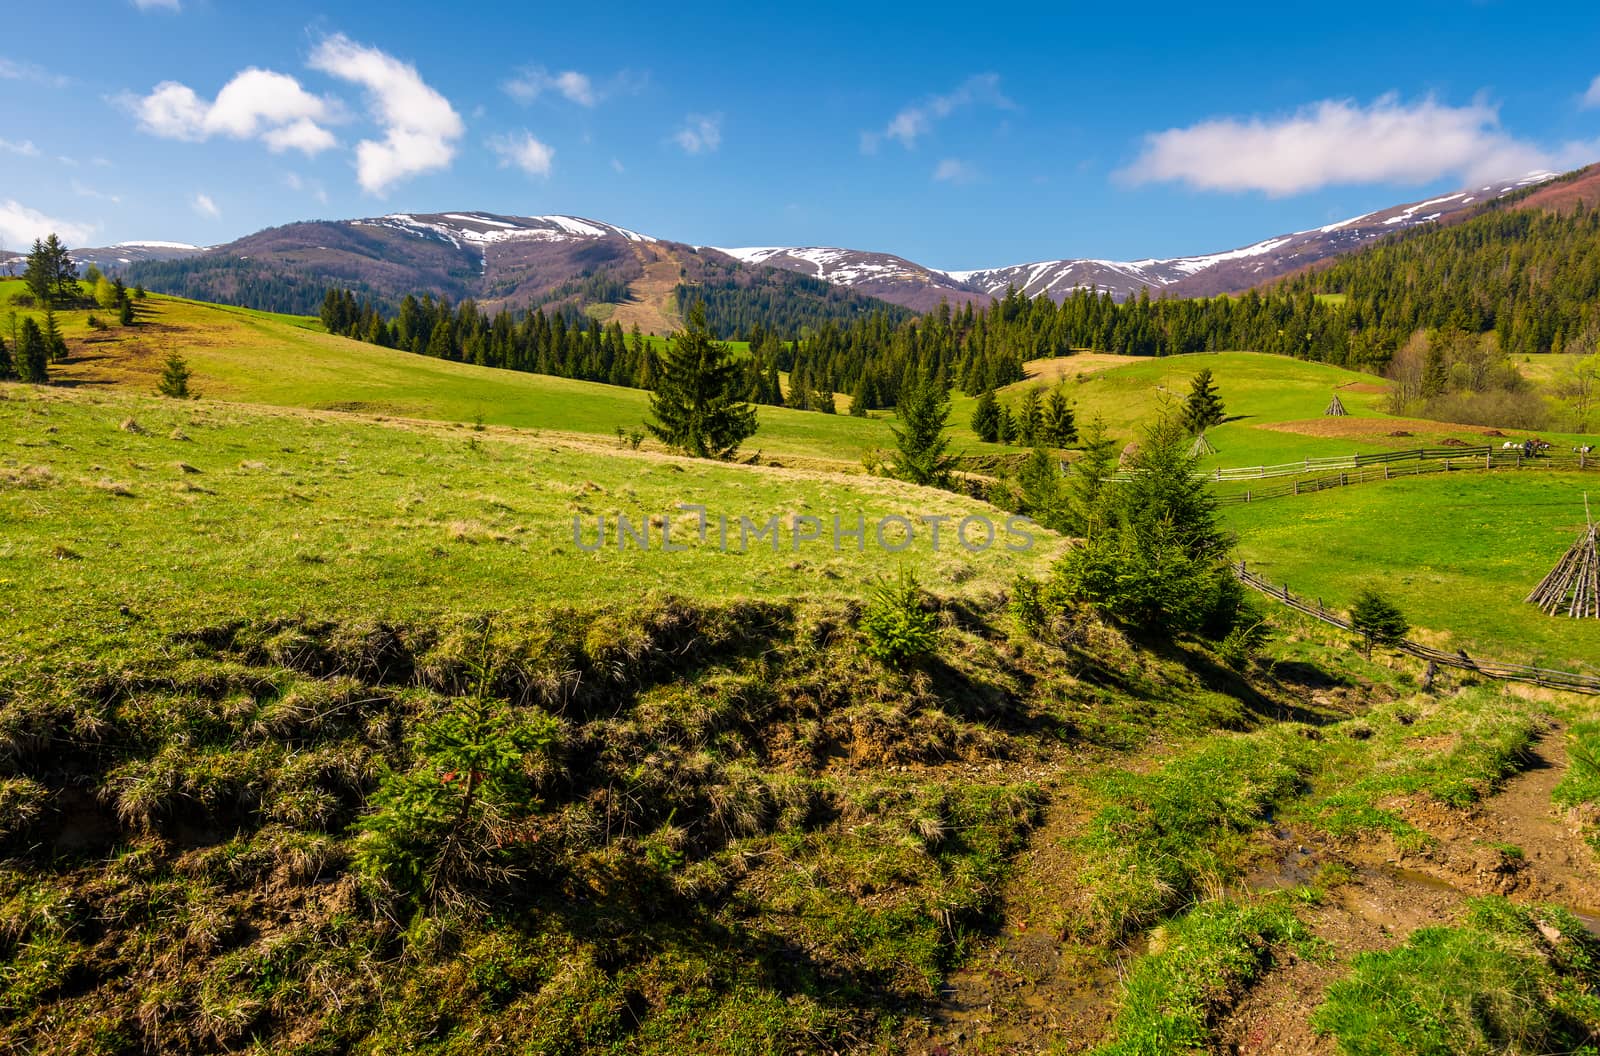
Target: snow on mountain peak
(460,229)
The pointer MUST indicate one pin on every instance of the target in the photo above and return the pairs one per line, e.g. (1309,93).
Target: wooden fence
(1458,461)
(1539,676)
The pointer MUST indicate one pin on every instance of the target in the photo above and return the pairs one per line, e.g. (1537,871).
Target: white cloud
(256,104)
(420,125)
(24,147)
(617,166)
(1592,96)
(954,170)
(293,181)
(525,152)
(701,133)
(19,226)
(84,191)
(11,70)
(202,204)
(1341,142)
(173,6)
(915,121)
(530,82)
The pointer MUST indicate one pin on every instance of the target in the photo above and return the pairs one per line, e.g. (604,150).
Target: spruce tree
(1165,493)
(1008,426)
(1203,408)
(175,377)
(1086,488)
(861,399)
(924,411)
(696,404)
(1043,493)
(986,417)
(39,274)
(1029,417)
(125,312)
(1060,427)
(55,345)
(33,355)
(1377,620)
(6,367)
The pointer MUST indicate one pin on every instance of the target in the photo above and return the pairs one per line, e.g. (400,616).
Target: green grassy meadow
(320,732)
(1457,553)
(244,356)
(189,511)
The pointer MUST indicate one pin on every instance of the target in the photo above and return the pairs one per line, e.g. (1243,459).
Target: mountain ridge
(517,261)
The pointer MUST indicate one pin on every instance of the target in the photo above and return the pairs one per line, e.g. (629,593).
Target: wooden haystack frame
(1573,587)
(1336,408)
(1202,446)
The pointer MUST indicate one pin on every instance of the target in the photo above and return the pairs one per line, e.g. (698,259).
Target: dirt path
(1516,843)
(1029,990)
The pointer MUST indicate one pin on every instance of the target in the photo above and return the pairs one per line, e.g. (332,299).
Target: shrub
(1377,620)
(447,823)
(897,627)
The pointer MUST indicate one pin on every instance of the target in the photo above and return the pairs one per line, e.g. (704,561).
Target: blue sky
(959,137)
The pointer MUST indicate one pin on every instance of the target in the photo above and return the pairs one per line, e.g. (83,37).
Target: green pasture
(1457,553)
(117,509)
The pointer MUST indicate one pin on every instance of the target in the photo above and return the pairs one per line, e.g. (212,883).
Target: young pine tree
(1029,417)
(1203,408)
(924,411)
(1086,488)
(1060,427)
(33,355)
(55,345)
(6,367)
(986,417)
(175,377)
(1043,490)
(125,312)
(1377,620)
(1008,426)
(697,404)
(39,273)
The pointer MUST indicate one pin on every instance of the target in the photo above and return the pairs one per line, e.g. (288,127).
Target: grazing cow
(1586,449)
(1510,445)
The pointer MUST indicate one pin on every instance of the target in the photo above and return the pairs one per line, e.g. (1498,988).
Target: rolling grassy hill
(1274,405)
(244,356)
(263,638)
(1457,553)
(186,512)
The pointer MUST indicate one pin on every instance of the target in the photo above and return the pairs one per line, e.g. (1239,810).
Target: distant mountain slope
(1527,269)
(876,274)
(114,257)
(904,282)
(497,261)
(634,278)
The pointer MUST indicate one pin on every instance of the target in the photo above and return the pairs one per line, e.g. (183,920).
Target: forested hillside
(1530,276)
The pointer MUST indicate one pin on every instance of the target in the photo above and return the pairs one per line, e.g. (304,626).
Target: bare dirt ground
(1347,426)
(650,301)
(1053,370)
(1031,990)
